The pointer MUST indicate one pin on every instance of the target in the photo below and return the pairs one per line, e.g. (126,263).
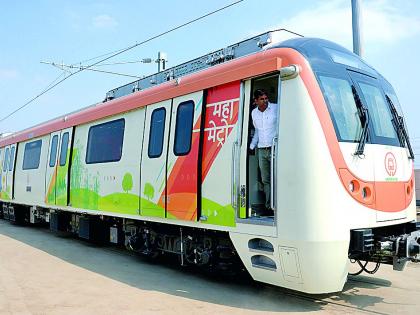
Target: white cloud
(8,74)
(382,22)
(104,21)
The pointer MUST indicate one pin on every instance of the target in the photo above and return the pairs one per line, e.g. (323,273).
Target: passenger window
(64,149)
(32,155)
(183,128)
(105,142)
(6,160)
(157,132)
(53,152)
(12,159)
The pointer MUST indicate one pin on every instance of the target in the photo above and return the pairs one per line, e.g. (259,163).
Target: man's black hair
(259,92)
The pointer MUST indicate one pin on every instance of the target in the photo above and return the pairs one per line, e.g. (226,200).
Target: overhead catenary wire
(121,63)
(48,88)
(116,53)
(108,72)
(63,67)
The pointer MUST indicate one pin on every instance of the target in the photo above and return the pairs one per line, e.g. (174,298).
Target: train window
(64,149)
(342,108)
(379,114)
(157,132)
(105,142)
(183,128)
(12,159)
(6,160)
(348,60)
(53,153)
(32,155)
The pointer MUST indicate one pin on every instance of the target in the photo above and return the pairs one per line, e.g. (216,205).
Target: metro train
(163,166)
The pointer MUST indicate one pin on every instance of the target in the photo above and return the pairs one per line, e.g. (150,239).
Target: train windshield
(345,115)
(342,108)
(380,114)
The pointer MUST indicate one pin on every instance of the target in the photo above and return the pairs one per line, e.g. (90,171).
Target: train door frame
(5,166)
(154,168)
(244,213)
(9,173)
(54,174)
(182,178)
(51,170)
(2,150)
(65,168)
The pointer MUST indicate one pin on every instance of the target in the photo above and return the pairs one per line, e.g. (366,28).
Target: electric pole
(356,25)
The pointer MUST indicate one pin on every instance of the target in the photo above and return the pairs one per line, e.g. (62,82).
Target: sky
(72,32)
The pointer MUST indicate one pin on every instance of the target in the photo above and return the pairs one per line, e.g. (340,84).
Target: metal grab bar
(273,174)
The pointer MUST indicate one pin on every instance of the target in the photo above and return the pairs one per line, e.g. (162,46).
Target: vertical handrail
(236,153)
(273,174)
(234,184)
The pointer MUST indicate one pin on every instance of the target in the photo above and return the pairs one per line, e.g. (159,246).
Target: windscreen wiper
(364,120)
(398,122)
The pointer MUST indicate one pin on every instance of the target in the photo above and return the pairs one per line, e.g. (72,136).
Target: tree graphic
(127,183)
(149,191)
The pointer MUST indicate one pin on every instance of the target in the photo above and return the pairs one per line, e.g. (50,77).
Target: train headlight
(354,186)
(366,193)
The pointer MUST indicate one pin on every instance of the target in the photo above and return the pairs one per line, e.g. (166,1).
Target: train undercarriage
(207,249)
(392,245)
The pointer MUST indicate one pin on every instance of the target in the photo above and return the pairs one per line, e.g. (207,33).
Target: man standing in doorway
(264,119)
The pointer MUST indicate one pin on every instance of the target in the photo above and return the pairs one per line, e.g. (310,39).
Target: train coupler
(384,246)
(402,249)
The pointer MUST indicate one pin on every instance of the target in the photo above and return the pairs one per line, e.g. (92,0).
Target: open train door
(248,187)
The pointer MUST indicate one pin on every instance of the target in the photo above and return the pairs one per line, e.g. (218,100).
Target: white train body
(167,168)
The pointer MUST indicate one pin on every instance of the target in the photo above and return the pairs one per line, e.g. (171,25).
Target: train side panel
(105,168)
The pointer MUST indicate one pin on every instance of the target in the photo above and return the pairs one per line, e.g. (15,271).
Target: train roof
(246,47)
(323,54)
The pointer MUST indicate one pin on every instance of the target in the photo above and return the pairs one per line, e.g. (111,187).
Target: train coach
(163,165)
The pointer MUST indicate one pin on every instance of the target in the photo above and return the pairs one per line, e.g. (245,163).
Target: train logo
(390,164)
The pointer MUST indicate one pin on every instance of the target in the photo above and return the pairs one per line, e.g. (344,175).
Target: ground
(42,273)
